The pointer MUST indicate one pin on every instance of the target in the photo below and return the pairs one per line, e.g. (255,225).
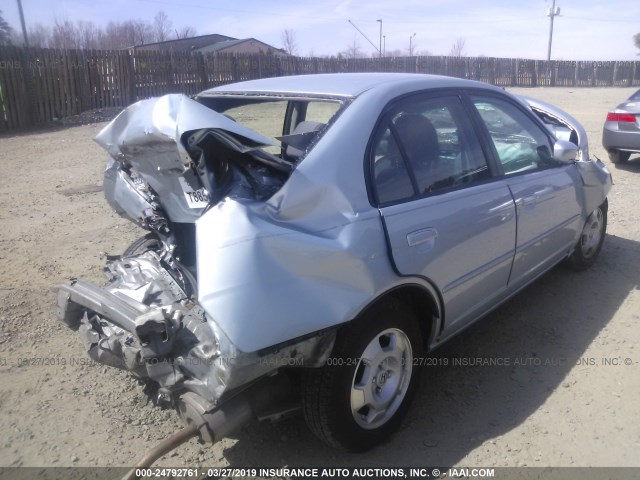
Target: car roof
(342,84)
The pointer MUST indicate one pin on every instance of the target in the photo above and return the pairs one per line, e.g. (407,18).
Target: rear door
(545,191)
(446,218)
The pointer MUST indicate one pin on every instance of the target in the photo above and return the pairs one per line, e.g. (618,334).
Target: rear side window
(425,146)
(520,144)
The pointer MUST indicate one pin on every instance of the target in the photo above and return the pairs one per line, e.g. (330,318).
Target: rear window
(266,118)
(321,112)
(274,118)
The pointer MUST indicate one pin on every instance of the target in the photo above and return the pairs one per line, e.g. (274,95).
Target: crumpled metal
(149,133)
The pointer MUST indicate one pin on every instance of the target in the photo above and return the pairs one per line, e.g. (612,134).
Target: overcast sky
(585,29)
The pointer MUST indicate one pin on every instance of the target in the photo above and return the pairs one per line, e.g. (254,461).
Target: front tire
(617,156)
(591,239)
(360,397)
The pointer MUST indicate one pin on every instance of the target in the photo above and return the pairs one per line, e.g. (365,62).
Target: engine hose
(164,447)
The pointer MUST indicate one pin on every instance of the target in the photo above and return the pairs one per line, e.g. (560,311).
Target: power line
(603,20)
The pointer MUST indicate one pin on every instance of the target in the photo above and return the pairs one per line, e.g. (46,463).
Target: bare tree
(161,26)
(636,40)
(186,32)
(39,35)
(394,53)
(6,32)
(142,32)
(457,49)
(353,50)
(16,39)
(87,35)
(289,43)
(63,34)
(112,36)
(126,34)
(117,35)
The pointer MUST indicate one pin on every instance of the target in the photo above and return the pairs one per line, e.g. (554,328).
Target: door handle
(504,212)
(535,197)
(506,216)
(421,236)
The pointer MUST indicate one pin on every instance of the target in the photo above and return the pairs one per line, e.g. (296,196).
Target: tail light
(620,117)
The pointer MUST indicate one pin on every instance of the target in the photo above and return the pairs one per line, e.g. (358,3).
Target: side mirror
(564,151)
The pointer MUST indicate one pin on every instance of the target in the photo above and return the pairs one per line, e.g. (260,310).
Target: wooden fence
(39,85)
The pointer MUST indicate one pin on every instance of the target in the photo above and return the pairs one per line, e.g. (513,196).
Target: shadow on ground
(632,165)
(458,408)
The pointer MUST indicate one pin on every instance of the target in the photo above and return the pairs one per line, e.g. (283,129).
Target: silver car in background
(311,238)
(621,131)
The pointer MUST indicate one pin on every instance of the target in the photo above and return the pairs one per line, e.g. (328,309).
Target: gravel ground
(566,398)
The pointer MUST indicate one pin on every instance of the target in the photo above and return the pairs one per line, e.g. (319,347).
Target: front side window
(425,146)
(520,144)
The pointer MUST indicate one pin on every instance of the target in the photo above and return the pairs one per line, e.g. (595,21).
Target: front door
(545,191)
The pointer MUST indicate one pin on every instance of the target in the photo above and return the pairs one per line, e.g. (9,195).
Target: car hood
(562,117)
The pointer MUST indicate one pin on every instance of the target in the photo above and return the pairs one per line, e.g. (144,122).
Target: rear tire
(361,396)
(591,239)
(616,156)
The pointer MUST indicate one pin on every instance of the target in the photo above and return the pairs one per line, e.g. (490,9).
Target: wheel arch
(423,301)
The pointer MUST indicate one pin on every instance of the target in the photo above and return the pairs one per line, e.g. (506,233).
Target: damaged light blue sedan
(312,237)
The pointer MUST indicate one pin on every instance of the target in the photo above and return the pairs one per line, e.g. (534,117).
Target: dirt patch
(566,396)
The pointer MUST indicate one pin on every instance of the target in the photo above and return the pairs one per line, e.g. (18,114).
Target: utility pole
(380,49)
(551,13)
(24,28)
(384,45)
(410,47)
